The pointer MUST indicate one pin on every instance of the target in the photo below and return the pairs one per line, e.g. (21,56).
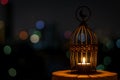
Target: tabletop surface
(99,73)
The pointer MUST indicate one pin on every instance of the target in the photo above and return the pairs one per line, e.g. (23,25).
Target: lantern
(83,45)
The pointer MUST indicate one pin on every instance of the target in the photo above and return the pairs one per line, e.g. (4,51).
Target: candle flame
(83,60)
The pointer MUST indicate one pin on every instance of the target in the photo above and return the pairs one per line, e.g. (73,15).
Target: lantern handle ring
(83,13)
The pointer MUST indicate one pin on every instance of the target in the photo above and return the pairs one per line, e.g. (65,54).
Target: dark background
(59,17)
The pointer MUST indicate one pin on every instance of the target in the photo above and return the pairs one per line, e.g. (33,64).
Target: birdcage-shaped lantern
(83,45)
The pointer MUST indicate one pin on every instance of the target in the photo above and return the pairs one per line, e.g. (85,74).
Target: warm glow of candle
(83,62)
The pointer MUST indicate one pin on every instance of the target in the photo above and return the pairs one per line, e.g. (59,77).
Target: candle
(84,66)
(83,63)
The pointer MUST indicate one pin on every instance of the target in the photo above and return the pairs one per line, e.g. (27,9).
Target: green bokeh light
(107,60)
(12,72)
(100,67)
(7,49)
(108,44)
(37,33)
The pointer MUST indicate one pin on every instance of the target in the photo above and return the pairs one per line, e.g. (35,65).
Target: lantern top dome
(83,35)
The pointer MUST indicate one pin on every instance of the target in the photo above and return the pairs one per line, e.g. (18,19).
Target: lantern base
(83,69)
(85,72)
(99,75)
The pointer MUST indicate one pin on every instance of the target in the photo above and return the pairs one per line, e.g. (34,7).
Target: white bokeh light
(34,38)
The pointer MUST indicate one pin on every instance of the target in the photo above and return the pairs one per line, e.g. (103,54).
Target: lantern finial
(83,13)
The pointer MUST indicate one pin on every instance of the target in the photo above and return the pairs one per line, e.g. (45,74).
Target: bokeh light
(23,35)
(118,43)
(38,46)
(37,33)
(81,37)
(68,54)
(34,38)
(40,24)
(1,24)
(4,2)
(34,31)
(107,60)
(12,72)
(67,34)
(108,44)
(100,67)
(7,49)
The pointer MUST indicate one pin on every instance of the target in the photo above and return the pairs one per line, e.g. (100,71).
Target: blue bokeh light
(118,43)
(39,45)
(81,37)
(40,24)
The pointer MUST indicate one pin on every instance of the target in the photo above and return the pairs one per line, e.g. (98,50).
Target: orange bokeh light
(23,35)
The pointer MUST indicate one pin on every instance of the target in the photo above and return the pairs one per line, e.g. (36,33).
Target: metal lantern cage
(83,45)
